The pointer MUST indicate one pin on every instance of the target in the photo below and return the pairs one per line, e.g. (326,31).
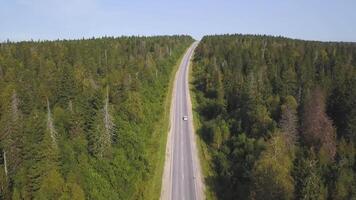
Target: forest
(277,117)
(78,117)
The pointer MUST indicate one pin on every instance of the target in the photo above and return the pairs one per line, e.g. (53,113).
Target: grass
(203,149)
(152,190)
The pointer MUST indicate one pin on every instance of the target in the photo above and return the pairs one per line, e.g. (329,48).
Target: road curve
(182,179)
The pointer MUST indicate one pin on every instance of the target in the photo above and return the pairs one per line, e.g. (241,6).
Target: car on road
(185,118)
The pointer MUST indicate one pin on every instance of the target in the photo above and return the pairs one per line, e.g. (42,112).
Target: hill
(277,117)
(78,118)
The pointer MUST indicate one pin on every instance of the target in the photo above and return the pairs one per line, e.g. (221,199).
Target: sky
(325,20)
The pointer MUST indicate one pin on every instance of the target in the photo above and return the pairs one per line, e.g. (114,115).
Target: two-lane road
(182,178)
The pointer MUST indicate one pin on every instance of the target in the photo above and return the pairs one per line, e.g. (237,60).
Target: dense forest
(78,118)
(278,117)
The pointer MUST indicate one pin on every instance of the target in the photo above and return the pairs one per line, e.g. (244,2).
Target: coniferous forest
(84,119)
(78,118)
(277,117)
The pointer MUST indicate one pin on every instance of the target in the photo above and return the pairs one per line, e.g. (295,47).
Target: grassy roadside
(203,151)
(152,190)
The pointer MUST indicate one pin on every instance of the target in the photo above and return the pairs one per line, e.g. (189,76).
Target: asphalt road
(182,175)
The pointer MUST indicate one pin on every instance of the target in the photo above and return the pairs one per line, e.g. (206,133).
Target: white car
(185,118)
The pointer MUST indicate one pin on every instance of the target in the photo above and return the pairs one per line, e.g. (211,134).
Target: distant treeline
(278,116)
(77,117)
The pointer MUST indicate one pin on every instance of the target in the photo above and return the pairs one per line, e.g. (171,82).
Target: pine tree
(34,129)
(309,183)
(103,131)
(66,85)
(11,138)
(272,177)
(41,153)
(345,184)
(11,121)
(289,79)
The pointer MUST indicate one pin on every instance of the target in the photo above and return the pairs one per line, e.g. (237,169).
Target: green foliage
(245,151)
(261,85)
(346,179)
(79,115)
(272,172)
(52,186)
(309,183)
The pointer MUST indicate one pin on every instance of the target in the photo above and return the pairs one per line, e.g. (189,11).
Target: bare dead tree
(12,139)
(264,45)
(5,162)
(70,106)
(108,121)
(318,130)
(1,73)
(14,106)
(289,124)
(50,125)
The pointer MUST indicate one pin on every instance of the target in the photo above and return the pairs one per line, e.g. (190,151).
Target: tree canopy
(77,117)
(287,108)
